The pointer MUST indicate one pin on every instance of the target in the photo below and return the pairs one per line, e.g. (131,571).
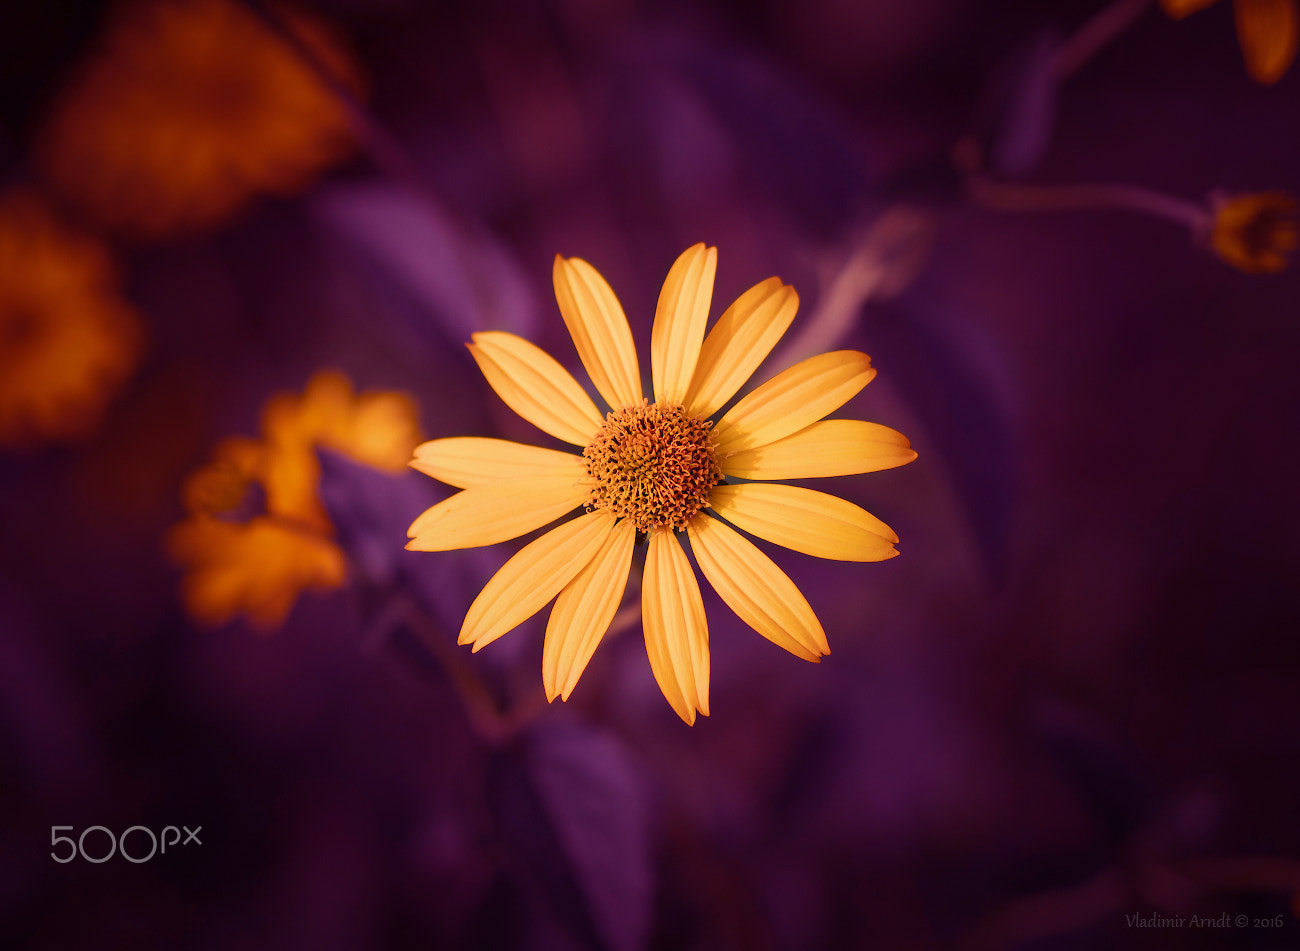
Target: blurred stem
(382,148)
(1008,196)
(624,619)
(837,310)
(629,614)
(883,259)
(1096,34)
(488,721)
(394,162)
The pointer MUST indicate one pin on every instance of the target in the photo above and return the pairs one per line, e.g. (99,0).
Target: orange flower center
(654,464)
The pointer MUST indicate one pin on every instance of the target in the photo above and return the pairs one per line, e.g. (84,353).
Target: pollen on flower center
(652,463)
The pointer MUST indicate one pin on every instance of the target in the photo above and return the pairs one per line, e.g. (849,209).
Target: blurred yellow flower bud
(187,108)
(68,340)
(1255,232)
(253,556)
(1268,31)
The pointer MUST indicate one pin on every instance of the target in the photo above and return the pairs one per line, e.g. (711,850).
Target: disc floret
(652,463)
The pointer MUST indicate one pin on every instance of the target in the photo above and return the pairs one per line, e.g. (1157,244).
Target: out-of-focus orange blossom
(187,108)
(257,568)
(1268,31)
(256,534)
(378,429)
(1255,232)
(68,340)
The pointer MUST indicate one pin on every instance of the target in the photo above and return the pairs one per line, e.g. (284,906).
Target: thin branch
(885,258)
(485,716)
(1007,196)
(1096,34)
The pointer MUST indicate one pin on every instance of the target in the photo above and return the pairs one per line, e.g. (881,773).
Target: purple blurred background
(1074,698)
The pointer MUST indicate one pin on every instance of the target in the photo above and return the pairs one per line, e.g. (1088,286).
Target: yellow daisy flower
(68,340)
(254,556)
(1266,29)
(656,469)
(1255,232)
(188,108)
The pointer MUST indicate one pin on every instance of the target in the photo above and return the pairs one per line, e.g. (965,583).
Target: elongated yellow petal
(464,461)
(536,387)
(532,577)
(832,447)
(805,520)
(676,632)
(760,593)
(1268,31)
(793,399)
(599,329)
(494,512)
(583,611)
(741,340)
(1181,8)
(680,317)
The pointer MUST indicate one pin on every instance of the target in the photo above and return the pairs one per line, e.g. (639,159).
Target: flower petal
(805,520)
(1267,31)
(741,339)
(676,632)
(583,612)
(464,461)
(599,329)
(760,593)
(833,447)
(793,399)
(495,512)
(536,387)
(532,577)
(680,317)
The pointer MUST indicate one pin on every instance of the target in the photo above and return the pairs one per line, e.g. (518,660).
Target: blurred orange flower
(256,534)
(378,429)
(189,107)
(258,567)
(1255,232)
(1266,29)
(68,340)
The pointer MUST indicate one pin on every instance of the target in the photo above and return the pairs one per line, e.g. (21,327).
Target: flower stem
(1096,34)
(624,619)
(383,149)
(882,259)
(1007,196)
(486,718)
(470,246)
